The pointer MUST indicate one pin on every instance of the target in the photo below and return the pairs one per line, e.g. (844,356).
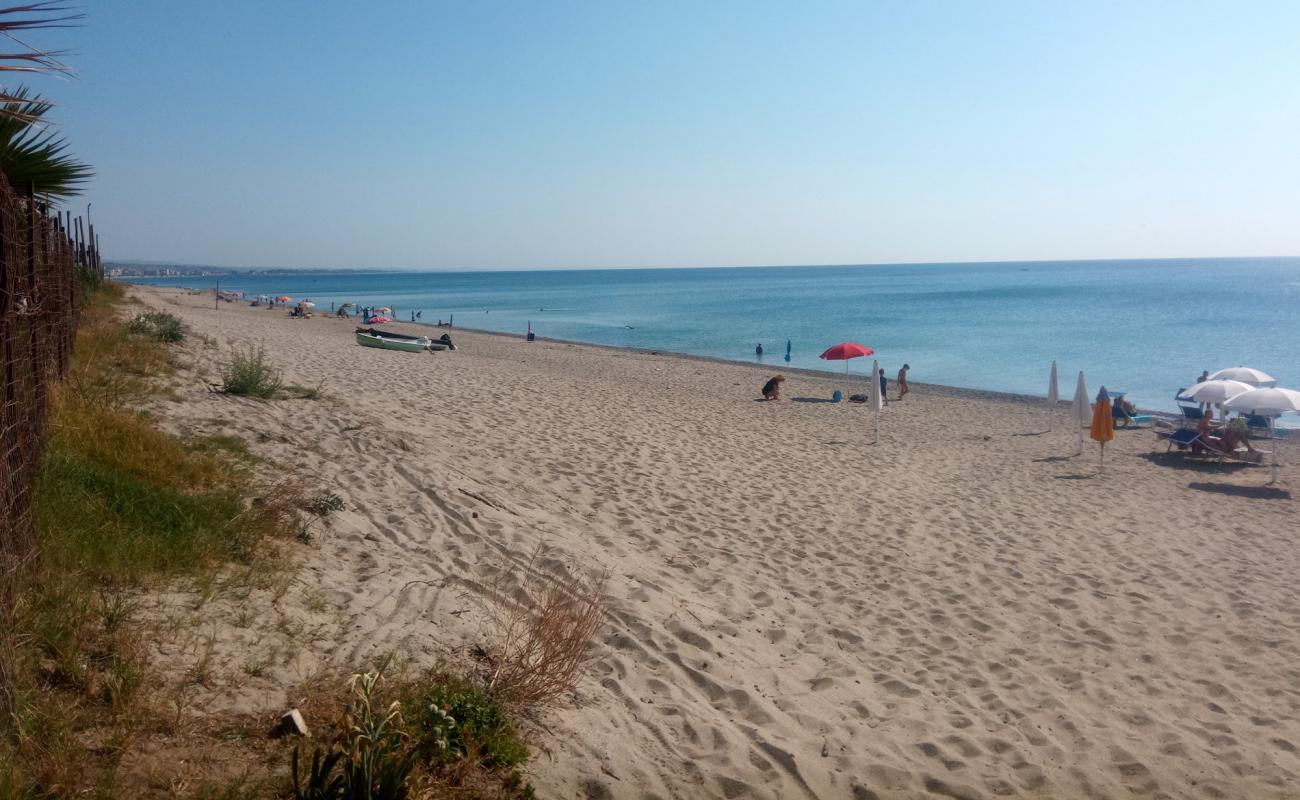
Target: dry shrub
(544,616)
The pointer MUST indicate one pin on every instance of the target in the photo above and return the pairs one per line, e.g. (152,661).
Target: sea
(1146,328)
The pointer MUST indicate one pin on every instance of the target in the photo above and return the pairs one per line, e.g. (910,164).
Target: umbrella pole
(877,425)
(1272,440)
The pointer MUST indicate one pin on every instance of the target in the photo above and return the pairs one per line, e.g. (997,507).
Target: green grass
(118,504)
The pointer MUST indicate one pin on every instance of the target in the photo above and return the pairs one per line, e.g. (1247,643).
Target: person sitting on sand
(902,380)
(772,389)
(1124,408)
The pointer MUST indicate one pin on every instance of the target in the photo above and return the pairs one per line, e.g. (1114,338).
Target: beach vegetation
(251,374)
(158,325)
(544,617)
(118,505)
(432,736)
(325,503)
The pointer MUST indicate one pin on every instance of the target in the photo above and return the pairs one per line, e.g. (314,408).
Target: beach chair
(1183,438)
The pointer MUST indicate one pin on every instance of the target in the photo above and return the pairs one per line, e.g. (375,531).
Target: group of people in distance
(772,389)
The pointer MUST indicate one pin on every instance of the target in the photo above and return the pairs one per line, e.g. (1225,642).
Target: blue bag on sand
(835,398)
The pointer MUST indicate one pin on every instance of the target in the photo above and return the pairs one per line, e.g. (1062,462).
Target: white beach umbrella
(1246,375)
(1081,410)
(1217,391)
(874,394)
(1268,402)
(1053,396)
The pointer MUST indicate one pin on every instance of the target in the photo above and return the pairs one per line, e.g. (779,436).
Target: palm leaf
(32,156)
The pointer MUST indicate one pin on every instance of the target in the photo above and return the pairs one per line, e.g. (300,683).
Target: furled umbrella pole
(1103,423)
(1080,411)
(1053,396)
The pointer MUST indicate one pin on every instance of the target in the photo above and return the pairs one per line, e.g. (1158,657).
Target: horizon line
(252,268)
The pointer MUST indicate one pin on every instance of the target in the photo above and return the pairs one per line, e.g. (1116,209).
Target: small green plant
(325,503)
(251,374)
(459,721)
(158,325)
(370,761)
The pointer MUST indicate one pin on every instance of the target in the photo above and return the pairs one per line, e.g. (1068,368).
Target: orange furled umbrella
(1103,424)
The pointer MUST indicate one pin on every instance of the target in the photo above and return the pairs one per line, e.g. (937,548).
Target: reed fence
(42,254)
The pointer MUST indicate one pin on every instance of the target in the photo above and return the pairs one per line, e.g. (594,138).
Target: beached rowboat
(386,340)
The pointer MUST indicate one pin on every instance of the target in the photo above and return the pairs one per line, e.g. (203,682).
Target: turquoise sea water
(1146,327)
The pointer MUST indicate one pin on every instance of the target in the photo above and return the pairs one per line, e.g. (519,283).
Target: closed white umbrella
(1053,396)
(874,393)
(1254,377)
(1081,410)
(1269,402)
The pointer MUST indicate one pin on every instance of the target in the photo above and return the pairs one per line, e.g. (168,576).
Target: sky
(479,135)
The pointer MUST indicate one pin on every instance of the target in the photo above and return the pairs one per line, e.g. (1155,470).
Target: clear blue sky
(553,134)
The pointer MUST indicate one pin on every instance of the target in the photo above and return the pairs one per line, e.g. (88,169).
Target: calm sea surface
(1145,327)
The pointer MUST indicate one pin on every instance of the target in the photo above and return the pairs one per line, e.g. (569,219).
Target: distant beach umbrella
(845,351)
(1254,377)
(284,298)
(1080,410)
(1103,422)
(1268,402)
(384,310)
(1053,396)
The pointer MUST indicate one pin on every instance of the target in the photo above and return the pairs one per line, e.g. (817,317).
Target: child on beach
(772,389)
(902,380)
(884,388)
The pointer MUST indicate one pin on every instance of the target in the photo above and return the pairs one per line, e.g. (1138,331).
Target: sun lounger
(1180,437)
(1193,444)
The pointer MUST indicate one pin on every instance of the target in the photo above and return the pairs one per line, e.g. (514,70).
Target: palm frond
(33,157)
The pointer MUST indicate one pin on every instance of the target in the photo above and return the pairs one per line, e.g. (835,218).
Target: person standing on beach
(902,380)
(884,387)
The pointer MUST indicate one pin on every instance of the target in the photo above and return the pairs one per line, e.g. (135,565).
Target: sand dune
(963,610)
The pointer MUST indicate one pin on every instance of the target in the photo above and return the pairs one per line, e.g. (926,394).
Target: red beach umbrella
(284,298)
(844,351)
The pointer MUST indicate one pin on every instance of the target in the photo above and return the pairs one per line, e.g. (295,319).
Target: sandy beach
(964,610)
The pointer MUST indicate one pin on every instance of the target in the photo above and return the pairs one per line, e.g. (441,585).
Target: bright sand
(965,609)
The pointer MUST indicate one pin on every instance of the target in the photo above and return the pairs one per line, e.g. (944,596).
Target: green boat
(385,340)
